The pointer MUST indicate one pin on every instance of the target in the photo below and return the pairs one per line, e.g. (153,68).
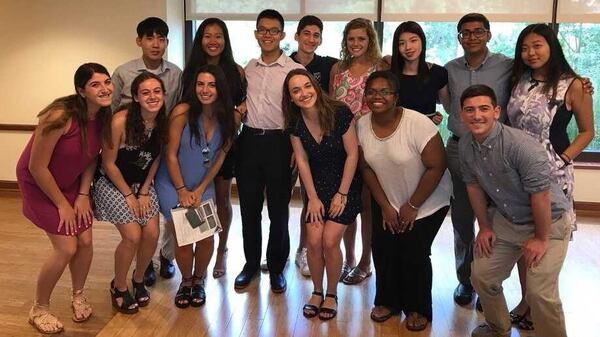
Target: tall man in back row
(520,211)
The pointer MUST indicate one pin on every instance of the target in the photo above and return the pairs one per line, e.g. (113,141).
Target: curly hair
(373,52)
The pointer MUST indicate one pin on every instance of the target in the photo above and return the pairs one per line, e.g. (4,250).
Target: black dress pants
(263,168)
(402,263)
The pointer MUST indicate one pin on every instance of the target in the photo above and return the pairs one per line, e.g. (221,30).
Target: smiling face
(269,34)
(474,37)
(410,46)
(357,42)
(153,47)
(206,88)
(535,51)
(302,92)
(213,40)
(97,92)
(479,115)
(150,95)
(380,96)
(309,39)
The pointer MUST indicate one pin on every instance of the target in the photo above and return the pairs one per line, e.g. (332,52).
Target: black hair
(309,20)
(557,63)
(270,14)
(152,25)
(478,90)
(473,17)
(398,61)
(198,58)
(390,77)
(223,106)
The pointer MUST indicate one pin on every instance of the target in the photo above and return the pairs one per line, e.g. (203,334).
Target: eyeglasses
(477,33)
(271,31)
(382,92)
(206,155)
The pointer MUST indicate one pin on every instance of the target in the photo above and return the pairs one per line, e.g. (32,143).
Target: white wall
(44,41)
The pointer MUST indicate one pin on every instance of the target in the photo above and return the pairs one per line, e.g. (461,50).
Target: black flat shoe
(150,275)
(244,278)
(463,294)
(167,268)
(278,283)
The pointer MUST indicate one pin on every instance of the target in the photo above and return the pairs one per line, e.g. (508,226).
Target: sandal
(182,297)
(311,310)
(82,310)
(140,293)
(325,313)
(356,276)
(416,322)
(346,269)
(128,304)
(43,320)
(197,294)
(381,318)
(219,272)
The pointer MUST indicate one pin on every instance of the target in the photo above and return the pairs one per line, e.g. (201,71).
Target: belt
(262,132)
(455,138)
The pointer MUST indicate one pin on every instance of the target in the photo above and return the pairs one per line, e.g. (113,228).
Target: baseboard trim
(585,208)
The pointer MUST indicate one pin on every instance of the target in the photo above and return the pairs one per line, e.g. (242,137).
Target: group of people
(362,133)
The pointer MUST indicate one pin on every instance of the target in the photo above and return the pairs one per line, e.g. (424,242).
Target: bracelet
(342,194)
(411,205)
(128,195)
(180,187)
(568,161)
(87,195)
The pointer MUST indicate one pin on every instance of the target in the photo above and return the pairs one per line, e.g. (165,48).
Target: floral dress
(545,118)
(351,90)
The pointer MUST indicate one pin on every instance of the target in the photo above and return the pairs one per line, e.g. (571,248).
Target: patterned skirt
(110,204)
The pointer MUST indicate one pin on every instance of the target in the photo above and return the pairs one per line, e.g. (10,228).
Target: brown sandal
(82,310)
(43,320)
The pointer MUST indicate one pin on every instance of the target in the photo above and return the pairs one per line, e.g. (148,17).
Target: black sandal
(126,300)
(140,293)
(311,310)
(331,313)
(182,298)
(198,295)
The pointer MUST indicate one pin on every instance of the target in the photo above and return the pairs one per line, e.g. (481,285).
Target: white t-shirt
(396,160)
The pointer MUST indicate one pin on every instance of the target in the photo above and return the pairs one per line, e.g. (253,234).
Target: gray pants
(462,216)
(168,240)
(542,280)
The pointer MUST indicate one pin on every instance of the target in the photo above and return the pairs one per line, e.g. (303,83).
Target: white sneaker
(302,263)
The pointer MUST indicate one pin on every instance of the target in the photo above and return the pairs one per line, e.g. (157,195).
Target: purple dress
(67,164)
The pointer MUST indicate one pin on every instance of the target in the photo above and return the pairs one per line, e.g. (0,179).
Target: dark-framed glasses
(271,31)
(382,92)
(476,33)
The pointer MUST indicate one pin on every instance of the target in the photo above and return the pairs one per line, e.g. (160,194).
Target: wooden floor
(257,311)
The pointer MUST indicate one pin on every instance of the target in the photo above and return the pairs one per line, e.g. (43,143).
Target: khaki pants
(542,281)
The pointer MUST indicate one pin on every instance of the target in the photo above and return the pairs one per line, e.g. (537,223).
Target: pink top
(350,90)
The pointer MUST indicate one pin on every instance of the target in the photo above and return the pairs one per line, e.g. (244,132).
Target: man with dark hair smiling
(264,156)
(524,216)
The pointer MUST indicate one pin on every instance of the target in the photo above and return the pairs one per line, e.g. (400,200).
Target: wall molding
(585,208)
(17,127)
